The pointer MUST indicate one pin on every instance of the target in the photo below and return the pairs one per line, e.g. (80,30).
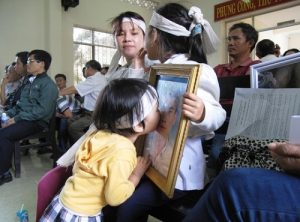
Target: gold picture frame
(171,82)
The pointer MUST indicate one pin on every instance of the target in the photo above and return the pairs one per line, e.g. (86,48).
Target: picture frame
(283,72)
(165,145)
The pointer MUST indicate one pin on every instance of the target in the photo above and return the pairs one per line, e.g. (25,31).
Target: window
(91,44)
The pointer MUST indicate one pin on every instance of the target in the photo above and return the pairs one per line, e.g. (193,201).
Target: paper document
(263,113)
(294,134)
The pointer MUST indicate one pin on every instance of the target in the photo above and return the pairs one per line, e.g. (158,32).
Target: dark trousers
(62,135)
(13,133)
(78,125)
(249,194)
(137,207)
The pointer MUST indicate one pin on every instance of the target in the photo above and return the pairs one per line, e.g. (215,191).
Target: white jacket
(192,167)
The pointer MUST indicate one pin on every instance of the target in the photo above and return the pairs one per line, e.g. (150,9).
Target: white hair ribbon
(168,26)
(209,37)
(148,101)
(117,56)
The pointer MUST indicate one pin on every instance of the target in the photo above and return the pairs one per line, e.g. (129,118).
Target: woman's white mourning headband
(117,56)
(209,37)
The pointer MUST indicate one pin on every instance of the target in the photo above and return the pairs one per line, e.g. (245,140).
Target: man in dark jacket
(32,112)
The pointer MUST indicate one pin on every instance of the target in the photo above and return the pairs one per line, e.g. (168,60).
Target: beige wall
(43,24)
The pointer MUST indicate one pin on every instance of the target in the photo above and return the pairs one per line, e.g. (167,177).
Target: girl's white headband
(210,39)
(148,101)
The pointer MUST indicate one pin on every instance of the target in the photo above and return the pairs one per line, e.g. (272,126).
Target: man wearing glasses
(32,112)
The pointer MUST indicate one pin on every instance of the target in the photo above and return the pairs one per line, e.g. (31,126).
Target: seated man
(32,112)
(21,70)
(67,107)
(10,83)
(89,89)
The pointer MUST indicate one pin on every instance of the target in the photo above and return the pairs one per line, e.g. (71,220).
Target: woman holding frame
(180,36)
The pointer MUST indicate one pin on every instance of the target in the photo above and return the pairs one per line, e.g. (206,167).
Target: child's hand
(193,107)
(143,164)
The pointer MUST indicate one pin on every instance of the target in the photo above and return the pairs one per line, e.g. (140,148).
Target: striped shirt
(68,102)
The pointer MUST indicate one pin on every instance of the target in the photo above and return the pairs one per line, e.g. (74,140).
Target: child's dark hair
(191,45)
(119,98)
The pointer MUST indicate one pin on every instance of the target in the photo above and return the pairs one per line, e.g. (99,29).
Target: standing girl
(106,169)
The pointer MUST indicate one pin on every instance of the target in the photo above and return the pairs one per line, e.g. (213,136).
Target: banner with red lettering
(237,7)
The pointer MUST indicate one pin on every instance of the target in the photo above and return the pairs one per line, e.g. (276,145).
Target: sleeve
(118,188)
(88,86)
(209,92)
(11,112)
(63,103)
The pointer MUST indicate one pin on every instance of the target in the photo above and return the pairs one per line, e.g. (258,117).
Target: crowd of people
(100,118)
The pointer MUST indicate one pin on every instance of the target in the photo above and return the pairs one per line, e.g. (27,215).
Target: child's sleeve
(117,187)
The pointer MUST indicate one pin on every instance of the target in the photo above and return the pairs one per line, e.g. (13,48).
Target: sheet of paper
(294,133)
(263,113)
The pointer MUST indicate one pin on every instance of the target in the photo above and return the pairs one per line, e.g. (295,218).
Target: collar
(247,62)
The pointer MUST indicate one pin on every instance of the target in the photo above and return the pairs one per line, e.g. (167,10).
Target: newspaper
(263,113)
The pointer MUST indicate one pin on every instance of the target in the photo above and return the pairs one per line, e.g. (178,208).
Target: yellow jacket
(102,167)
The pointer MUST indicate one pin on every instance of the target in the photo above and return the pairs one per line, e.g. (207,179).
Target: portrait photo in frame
(165,145)
(283,72)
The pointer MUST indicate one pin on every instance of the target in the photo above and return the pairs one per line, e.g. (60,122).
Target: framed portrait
(283,72)
(165,145)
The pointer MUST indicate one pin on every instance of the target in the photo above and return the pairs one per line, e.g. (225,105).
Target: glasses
(32,60)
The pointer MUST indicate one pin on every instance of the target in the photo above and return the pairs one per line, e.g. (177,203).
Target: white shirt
(90,89)
(268,58)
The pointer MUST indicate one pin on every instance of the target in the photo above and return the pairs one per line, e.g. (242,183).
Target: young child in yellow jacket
(106,169)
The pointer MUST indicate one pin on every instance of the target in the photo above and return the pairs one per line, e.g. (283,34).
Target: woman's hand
(287,156)
(193,107)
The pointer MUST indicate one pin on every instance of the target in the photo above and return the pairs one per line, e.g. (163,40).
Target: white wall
(43,24)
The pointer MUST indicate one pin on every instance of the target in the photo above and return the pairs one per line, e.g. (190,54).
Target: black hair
(116,23)
(265,47)
(60,75)
(294,50)
(169,43)
(42,56)
(23,56)
(93,64)
(249,31)
(120,97)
